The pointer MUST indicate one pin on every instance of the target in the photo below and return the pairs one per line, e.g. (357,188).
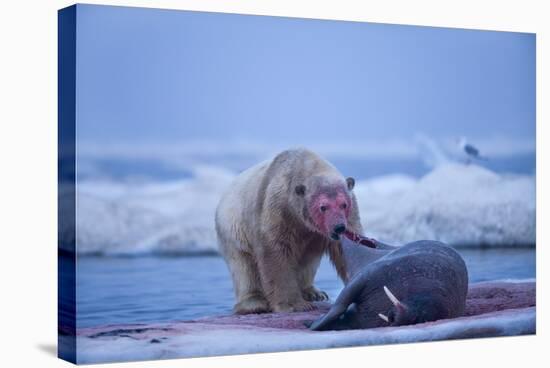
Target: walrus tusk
(384,317)
(392,297)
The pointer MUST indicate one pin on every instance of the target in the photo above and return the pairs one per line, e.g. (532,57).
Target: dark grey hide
(425,281)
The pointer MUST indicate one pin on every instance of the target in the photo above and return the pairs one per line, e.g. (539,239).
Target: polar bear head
(326,203)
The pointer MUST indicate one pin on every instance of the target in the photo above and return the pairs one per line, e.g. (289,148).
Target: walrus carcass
(415,283)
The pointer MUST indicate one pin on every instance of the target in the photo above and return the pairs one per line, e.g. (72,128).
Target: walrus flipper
(328,319)
(332,320)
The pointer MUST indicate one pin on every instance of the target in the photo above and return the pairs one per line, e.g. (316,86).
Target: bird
(471,151)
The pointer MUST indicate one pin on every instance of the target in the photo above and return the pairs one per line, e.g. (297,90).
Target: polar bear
(274,224)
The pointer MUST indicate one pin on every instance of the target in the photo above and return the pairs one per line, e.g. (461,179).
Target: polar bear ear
(351,182)
(300,189)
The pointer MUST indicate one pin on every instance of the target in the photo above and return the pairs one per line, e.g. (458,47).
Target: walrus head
(417,309)
(327,205)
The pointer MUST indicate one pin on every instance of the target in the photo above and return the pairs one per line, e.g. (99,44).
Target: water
(121,169)
(117,290)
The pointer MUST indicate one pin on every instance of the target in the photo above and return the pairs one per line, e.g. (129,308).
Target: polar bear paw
(252,305)
(303,306)
(312,294)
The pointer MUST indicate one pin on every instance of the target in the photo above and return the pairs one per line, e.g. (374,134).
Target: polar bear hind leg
(248,289)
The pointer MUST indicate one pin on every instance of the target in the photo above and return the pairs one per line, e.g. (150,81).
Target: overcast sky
(169,76)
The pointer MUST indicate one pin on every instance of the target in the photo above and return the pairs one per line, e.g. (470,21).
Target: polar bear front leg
(306,276)
(280,281)
(309,264)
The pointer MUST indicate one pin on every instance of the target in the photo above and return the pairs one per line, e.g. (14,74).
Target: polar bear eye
(323,208)
(344,206)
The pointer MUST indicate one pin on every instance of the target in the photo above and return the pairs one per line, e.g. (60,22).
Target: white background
(28,180)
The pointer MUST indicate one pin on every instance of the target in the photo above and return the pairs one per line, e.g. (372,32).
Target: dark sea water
(359,168)
(117,290)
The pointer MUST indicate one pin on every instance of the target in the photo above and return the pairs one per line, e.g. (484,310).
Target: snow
(117,218)
(201,339)
(492,309)
(455,203)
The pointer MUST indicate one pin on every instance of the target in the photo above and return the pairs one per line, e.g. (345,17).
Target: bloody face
(329,209)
